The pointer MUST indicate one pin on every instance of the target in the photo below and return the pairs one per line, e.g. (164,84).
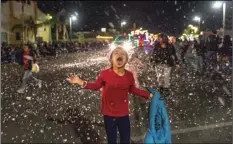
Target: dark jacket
(164,55)
(212,43)
(199,48)
(226,49)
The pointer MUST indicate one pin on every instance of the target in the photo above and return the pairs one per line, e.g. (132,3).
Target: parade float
(125,41)
(142,38)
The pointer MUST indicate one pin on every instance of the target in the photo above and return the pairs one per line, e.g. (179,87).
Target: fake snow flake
(28,98)
(221,101)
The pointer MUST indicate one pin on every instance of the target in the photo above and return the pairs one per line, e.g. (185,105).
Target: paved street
(199,108)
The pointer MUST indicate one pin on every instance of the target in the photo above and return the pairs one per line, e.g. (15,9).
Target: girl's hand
(151,95)
(75,80)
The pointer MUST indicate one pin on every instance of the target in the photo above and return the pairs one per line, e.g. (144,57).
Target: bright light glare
(196,18)
(127,46)
(195,29)
(76,13)
(112,46)
(73,17)
(123,23)
(191,38)
(190,25)
(217,4)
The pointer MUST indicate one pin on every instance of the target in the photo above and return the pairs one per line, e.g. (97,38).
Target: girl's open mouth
(119,59)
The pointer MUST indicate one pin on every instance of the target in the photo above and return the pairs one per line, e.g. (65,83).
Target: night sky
(157,16)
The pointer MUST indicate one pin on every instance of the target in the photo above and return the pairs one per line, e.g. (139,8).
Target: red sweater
(115,100)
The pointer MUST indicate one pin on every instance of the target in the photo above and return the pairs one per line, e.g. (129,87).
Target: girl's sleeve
(137,91)
(97,84)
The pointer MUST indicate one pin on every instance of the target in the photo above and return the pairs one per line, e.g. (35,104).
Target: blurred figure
(184,50)
(178,47)
(226,49)
(203,47)
(213,42)
(28,58)
(164,58)
(3,54)
(12,54)
(36,50)
(225,55)
(199,56)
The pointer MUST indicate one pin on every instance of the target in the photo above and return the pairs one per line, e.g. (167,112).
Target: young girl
(117,83)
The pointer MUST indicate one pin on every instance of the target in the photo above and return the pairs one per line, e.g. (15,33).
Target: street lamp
(198,19)
(72,18)
(218,5)
(122,25)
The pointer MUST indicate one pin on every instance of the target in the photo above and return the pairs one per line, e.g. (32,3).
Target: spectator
(12,54)
(199,56)
(184,49)
(225,53)
(164,58)
(27,59)
(213,42)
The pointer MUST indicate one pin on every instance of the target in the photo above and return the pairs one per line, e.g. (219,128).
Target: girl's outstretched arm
(137,91)
(88,85)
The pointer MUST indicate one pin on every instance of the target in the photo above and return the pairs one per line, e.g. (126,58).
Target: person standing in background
(27,60)
(199,56)
(212,44)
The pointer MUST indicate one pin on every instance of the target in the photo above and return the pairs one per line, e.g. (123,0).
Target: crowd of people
(212,55)
(10,53)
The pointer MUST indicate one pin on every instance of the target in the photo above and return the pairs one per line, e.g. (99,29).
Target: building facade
(15,29)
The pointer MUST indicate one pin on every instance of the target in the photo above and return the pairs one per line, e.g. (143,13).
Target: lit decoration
(190,33)
(104,37)
(172,39)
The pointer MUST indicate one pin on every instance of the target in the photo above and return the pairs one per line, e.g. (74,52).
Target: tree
(80,37)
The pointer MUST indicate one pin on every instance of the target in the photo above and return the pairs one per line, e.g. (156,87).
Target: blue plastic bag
(159,125)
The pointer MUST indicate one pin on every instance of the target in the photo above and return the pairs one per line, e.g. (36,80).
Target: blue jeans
(120,123)
(199,64)
(26,77)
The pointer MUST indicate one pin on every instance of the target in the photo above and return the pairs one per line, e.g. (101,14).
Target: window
(17,36)
(4,37)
